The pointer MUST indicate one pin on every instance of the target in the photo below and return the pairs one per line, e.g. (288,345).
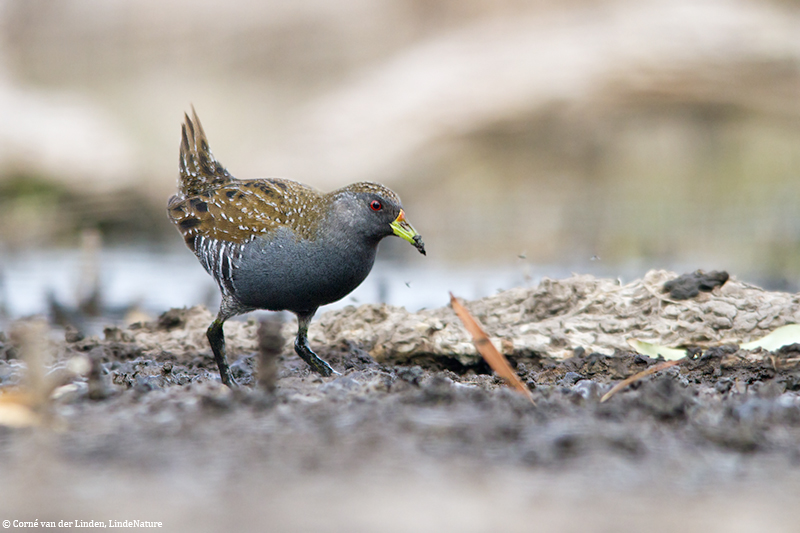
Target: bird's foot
(227,379)
(317,365)
(216,339)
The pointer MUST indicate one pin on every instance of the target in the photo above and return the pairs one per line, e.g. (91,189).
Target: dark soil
(711,444)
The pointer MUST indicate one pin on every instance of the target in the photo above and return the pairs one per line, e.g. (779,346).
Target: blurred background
(526,138)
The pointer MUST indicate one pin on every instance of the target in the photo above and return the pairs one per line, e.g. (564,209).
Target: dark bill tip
(419,245)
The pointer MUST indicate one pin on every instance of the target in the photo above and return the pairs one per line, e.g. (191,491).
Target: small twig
(97,387)
(487,350)
(33,349)
(636,377)
(28,404)
(270,346)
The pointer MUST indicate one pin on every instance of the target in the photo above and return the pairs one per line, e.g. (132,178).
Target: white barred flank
(219,258)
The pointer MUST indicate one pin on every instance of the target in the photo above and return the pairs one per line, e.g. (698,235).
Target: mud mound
(550,320)
(558,316)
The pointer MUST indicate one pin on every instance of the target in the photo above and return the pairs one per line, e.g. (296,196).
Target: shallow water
(151,280)
(157,280)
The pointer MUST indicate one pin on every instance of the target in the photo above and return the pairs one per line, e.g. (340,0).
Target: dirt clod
(689,285)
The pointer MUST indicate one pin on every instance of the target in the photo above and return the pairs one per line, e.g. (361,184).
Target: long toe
(317,365)
(323,368)
(227,379)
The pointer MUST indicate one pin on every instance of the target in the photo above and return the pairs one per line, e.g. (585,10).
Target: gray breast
(299,275)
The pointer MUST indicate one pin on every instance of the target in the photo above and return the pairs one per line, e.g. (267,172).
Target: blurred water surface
(154,280)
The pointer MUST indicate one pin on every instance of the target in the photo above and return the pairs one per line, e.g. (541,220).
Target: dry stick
(636,377)
(32,338)
(487,350)
(27,404)
(270,346)
(96,385)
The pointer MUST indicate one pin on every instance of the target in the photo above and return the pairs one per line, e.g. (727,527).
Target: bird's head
(376,212)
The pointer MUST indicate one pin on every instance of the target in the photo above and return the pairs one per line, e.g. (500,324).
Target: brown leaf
(488,351)
(636,377)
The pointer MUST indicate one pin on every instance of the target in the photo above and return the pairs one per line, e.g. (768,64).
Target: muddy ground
(417,434)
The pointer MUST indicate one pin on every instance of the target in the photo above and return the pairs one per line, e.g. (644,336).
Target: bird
(275,243)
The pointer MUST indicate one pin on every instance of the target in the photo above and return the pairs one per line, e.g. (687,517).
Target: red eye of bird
(376,205)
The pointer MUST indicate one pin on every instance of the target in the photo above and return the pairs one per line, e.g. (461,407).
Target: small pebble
(570,378)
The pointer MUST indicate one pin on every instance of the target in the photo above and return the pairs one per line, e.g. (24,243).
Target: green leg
(304,351)
(217,340)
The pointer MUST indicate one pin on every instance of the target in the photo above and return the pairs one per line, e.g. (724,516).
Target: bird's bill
(406,231)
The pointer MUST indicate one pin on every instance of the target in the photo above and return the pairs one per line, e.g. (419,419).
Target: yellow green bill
(406,231)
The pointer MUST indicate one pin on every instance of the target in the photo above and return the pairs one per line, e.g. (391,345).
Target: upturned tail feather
(199,171)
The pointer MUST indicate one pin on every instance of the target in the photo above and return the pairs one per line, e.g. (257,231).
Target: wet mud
(417,432)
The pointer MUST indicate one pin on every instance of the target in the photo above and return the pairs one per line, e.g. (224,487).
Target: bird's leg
(216,338)
(304,350)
